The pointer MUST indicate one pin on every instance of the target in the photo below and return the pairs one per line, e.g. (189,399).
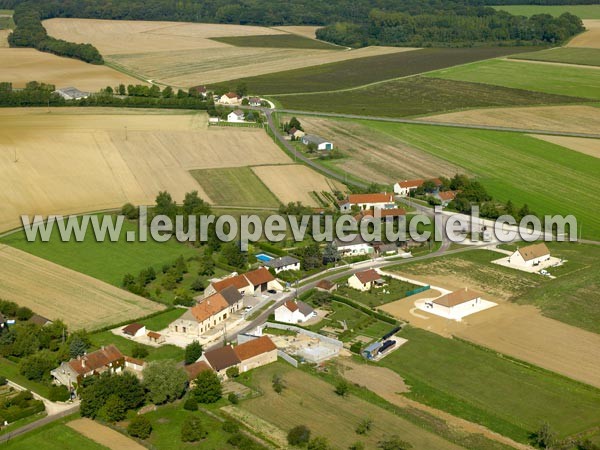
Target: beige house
(249,283)
(209,313)
(363,281)
(71,373)
(367,201)
(530,256)
(403,188)
(456,304)
(231,98)
(255,353)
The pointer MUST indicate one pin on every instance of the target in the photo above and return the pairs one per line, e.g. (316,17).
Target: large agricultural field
(559,180)
(21,65)
(584,145)
(60,293)
(104,435)
(183,55)
(420,95)
(54,436)
(567,118)
(114,156)
(565,55)
(581,82)
(582,11)
(362,71)
(309,401)
(590,38)
(507,396)
(277,41)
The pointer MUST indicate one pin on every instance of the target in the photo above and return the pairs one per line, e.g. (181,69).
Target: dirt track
(104,435)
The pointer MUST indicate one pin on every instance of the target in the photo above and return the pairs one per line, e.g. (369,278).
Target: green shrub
(140,427)
(233,398)
(58,394)
(192,430)
(191,404)
(299,435)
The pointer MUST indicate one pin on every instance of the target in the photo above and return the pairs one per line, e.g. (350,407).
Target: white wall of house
(190,327)
(233,117)
(355,249)
(258,361)
(403,191)
(229,101)
(517,259)
(282,314)
(295,266)
(355,283)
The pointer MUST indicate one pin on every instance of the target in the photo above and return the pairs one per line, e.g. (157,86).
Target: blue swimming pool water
(264,258)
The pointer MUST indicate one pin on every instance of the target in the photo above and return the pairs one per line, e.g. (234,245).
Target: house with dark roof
(321,144)
(134,330)
(221,359)
(254,101)
(294,312)
(295,133)
(230,98)
(194,369)
(40,320)
(197,91)
(326,286)
(106,359)
(365,280)
(283,263)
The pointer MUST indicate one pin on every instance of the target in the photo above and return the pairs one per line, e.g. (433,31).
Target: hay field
(569,118)
(590,38)
(583,145)
(104,435)
(80,160)
(295,182)
(60,293)
(376,156)
(309,31)
(181,54)
(20,65)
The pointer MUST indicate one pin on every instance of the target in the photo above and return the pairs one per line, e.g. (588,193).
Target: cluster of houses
(404,188)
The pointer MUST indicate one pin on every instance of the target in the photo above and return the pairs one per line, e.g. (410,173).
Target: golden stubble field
(181,54)
(589,38)
(79,160)
(568,118)
(583,145)
(20,65)
(56,292)
(295,182)
(104,435)
(376,156)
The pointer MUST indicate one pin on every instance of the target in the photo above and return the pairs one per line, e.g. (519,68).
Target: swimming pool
(264,257)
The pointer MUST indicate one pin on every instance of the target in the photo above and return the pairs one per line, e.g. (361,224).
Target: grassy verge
(584,56)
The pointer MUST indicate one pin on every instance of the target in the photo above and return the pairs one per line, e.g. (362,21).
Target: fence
(312,334)
(417,290)
(283,355)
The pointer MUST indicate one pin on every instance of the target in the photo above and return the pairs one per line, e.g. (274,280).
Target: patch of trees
(15,407)
(465,27)
(109,396)
(29,32)
(34,94)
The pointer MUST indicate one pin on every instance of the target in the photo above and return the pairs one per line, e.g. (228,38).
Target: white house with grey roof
(283,263)
(294,312)
(71,93)
(322,144)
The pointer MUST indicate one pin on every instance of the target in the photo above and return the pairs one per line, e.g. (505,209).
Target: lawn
(419,95)
(549,178)
(392,291)
(561,80)
(106,261)
(10,370)
(509,397)
(126,346)
(162,320)
(238,186)
(361,71)
(277,41)
(54,436)
(568,55)
(582,11)
(310,401)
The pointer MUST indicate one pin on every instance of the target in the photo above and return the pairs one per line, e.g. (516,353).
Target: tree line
(29,32)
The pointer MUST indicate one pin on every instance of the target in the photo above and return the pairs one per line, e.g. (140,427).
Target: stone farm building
(208,313)
(294,312)
(403,188)
(250,283)
(247,356)
(367,202)
(365,280)
(530,256)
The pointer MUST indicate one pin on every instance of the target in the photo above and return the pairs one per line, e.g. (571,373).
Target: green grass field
(582,11)
(417,96)
(394,290)
(277,41)
(237,186)
(573,81)
(126,346)
(10,370)
(107,261)
(509,397)
(54,436)
(361,71)
(512,166)
(567,55)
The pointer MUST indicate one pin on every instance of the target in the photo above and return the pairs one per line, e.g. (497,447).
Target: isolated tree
(208,387)
(318,443)
(193,351)
(233,254)
(193,204)
(278,383)
(233,398)
(341,388)
(24,313)
(544,437)
(164,381)
(122,90)
(192,429)
(165,205)
(168,92)
(364,426)
(295,123)
(140,427)
(393,443)
(299,435)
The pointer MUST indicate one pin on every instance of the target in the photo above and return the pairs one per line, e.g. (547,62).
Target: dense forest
(30,32)
(350,22)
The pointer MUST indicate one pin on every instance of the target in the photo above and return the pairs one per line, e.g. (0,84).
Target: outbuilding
(322,144)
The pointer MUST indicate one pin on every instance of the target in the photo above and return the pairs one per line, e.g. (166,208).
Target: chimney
(83,362)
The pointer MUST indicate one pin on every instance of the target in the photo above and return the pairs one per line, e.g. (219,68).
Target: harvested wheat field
(295,182)
(80,160)
(574,119)
(4,38)
(147,49)
(375,156)
(56,292)
(522,332)
(583,145)
(589,38)
(104,435)
(20,65)
(309,31)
